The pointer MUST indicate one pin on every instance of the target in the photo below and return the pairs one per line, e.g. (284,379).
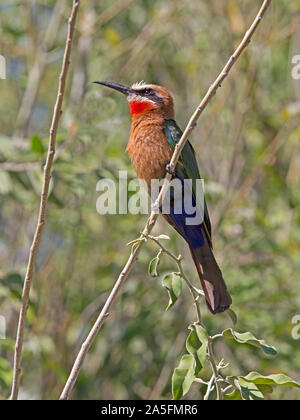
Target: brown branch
(43,204)
(154,214)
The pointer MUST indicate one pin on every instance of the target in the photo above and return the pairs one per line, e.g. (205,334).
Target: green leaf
(173,283)
(234,395)
(277,379)
(134,244)
(153,267)
(196,345)
(249,390)
(249,338)
(37,145)
(255,386)
(183,376)
(243,389)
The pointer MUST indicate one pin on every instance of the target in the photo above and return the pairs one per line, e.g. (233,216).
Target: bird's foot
(169,170)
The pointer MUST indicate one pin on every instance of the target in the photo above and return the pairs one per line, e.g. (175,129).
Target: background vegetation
(247,143)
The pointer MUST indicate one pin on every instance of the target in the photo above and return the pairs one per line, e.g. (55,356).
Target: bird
(153,136)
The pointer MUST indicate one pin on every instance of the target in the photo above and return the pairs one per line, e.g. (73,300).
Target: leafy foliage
(199,345)
(248,338)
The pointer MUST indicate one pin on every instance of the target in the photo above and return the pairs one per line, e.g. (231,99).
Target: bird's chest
(150,152)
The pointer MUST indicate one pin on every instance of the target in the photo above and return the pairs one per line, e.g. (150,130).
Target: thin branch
(200,381)
(214,369)
(209,388)
(43,204)
(154,214)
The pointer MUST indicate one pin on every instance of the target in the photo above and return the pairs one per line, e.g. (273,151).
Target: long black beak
(121,88)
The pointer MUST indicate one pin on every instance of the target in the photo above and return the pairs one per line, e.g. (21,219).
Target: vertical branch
(214,369)
(43,204)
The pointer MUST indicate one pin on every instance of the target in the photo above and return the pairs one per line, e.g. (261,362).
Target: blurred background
(247,143)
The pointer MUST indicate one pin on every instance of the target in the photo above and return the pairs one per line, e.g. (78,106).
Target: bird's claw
(169,170)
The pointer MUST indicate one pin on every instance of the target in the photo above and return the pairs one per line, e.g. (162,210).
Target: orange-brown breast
(149,148)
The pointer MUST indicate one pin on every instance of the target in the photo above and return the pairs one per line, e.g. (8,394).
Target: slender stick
(214,369)
(209,387)
(43,204)
(154,214)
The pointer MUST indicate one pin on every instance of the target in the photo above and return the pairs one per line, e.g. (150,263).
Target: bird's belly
(150,158)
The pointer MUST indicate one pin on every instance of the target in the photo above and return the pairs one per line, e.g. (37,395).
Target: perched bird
(153,136)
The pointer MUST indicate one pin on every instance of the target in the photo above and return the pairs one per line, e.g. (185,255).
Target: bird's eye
(148,92)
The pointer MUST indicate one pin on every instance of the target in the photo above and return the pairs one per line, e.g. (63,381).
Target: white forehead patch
(139,85)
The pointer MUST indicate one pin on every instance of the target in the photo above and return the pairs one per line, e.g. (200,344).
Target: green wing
(187,168)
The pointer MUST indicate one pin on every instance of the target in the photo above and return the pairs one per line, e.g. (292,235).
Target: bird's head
(145,98)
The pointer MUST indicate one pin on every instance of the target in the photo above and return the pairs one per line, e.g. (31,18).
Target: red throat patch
(139,107)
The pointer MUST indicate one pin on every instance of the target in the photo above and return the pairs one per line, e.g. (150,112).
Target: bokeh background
(247,143)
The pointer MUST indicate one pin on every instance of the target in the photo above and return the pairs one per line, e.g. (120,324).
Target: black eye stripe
(150,94)
(147,92)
